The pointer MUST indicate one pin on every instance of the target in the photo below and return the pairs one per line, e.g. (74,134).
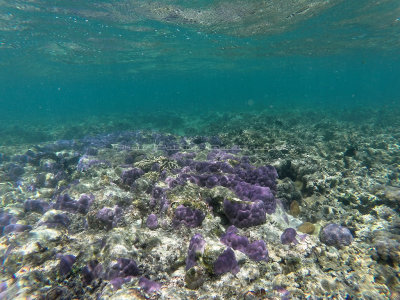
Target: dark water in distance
(66,60)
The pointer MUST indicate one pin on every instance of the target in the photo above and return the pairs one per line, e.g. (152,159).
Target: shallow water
(67,60)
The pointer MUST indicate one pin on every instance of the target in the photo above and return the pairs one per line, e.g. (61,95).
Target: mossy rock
(195,277)
(188,195)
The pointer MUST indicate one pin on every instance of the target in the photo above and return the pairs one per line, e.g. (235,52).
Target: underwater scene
(175,149)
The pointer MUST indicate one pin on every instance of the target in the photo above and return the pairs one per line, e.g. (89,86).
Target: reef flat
(248,206)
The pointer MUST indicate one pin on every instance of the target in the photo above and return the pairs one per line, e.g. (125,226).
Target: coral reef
(93,218)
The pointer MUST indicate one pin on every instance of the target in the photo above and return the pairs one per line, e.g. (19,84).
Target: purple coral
(245,214)
(129,176)
(86,162)
(36,205)
(157,192)
(289,236)
(196,247)
(226,262)
(122,272)
(117,282)
(91,271)
(152,221)
(253,193)
(66,263)
(65,202)
(5,220)
(13,171)
(123,268)
(149,286)
(189,217)
(57,220)
(84,202)
(336,235)
(231,239)
(16,228)
(257,251)
(109,217)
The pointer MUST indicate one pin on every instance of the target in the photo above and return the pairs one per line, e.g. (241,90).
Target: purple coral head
(36,205)
(245,214)
(336,235)
(257,251)
(196,248)
(84,202)
(16,228)
(211,181)
(129,176)
(157,192)
(250,192)
(124,267)
(91,271)
(189,217)
(152,221)
(109,217)
(66,263)
(14,171)
(289,236)
(6,218)
(149,286)
(231,239)
(117,282)
(128,267)
(57,220)
(65,202)
(226,262)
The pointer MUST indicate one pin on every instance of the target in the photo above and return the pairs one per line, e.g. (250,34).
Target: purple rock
(211,181)
(289,236)
(152,221)
(109,217)
(149,286)
(117,282)
(257,251)
(249,192)
(39,206)
(91,271)
(226,262)
(84,203)
(336,235)
(6,219)
(196,248)
(129,176)
(157,192)
(13,171)
(123,268)
(189,217)
(65,202)
(231,239)
(16,228)
(245,214)
(57,220)
(66,263)
(86,162)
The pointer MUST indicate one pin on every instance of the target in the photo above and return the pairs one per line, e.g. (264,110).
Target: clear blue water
(72,60)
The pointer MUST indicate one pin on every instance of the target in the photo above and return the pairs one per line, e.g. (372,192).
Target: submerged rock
(336,235)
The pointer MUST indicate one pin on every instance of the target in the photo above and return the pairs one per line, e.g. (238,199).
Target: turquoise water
(66,60)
